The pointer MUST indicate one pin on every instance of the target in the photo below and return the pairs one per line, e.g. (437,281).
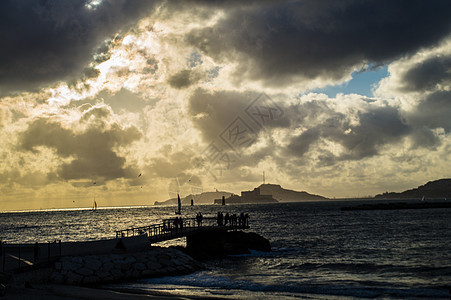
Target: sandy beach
(55,291)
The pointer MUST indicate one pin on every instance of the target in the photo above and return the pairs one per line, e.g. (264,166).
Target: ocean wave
(282,252)
(372,268)
(203,281)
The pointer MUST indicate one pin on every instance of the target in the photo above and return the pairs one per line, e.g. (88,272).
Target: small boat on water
(94,205)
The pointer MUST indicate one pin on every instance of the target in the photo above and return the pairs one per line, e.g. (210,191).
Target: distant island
(265,193)
(247,197)
(284,195)
(437,191)
(433,189)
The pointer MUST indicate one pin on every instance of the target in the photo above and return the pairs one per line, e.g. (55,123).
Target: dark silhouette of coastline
(286,195)
(278,193)
(433,189)
(433,194)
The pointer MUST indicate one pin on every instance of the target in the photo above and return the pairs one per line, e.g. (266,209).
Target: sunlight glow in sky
(102,91)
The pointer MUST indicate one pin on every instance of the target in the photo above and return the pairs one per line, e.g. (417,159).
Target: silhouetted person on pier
(226,219)
(220,218)
(199,218)
(164,225)
(246,219)
(176,223)
(233,219)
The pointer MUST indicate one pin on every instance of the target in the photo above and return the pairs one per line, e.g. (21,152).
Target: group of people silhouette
(233,220)
(222,220)
(199,219)
(178,223)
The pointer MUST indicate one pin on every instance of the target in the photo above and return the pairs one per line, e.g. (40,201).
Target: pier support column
(221,242)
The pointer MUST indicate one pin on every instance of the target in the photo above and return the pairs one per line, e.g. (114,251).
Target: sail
(179,205)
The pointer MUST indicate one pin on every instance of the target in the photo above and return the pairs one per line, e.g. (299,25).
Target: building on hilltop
(248,197)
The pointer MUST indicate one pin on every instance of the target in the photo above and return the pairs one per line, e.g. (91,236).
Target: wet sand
(54,291)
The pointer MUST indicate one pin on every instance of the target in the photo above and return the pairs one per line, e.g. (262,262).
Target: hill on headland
(433,189)
(278,193)
(248,197)
(284,195)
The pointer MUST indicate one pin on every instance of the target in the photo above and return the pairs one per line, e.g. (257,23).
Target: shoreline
(57,291)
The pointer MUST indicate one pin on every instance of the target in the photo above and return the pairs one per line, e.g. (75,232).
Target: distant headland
(285,195)
(433,189)
(265,193)
(433,194)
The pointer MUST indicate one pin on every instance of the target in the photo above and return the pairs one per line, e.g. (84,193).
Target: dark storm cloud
(428,74)
(424,137)
(93,150)
(430,80)
(301,144)
(47,41)
(213,112)
(433,112)
(376,126)
(274,41)
(184,79)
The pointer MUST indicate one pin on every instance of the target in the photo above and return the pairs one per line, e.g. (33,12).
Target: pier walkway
(168,230)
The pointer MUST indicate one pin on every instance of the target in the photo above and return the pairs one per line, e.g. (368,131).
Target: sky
(131,101)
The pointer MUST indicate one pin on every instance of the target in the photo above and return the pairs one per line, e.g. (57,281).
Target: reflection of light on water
(79,224)
(174,242)
(75,224)
(317,250)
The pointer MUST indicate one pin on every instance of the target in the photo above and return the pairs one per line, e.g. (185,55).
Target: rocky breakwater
(94,269)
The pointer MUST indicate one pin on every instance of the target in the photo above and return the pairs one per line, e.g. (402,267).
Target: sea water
(318,251)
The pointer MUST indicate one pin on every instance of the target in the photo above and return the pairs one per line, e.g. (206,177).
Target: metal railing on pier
(171,229)
(16,257)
